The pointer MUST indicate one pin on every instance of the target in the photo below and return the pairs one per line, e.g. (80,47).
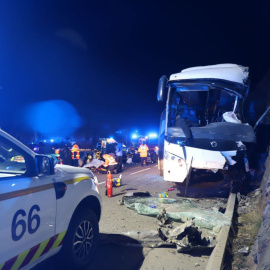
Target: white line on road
(140,171)
(102,183)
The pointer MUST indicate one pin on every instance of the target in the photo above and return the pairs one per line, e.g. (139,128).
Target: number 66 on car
(45,209)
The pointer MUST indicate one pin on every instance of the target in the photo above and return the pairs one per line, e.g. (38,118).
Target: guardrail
(215,261)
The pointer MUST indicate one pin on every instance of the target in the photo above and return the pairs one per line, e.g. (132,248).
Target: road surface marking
(140,171)
(102,183)
(156,166)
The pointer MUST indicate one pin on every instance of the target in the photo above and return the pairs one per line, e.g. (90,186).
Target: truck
(203,127)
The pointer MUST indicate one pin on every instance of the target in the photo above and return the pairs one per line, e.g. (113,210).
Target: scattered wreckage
(203,125)
(182,223)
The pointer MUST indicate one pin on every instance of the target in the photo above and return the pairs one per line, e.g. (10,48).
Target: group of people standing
(112,161)
(115,164)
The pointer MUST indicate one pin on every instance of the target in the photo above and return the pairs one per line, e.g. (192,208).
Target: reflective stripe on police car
(33,253)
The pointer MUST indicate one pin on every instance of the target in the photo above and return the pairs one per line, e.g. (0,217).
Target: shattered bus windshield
(199,108)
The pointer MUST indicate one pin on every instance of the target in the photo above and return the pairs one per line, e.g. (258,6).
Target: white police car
(44,209)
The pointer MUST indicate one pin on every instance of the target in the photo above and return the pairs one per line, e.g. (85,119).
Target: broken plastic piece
(185,237)
(163,195)
(231,117)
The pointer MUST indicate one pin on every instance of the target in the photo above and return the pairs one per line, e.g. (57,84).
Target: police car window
(12,163)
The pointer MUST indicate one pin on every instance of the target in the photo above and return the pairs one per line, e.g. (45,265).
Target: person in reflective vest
(143,150)
(110,164)
(75,154)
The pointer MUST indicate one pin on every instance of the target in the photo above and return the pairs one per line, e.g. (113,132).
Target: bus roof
(229,72)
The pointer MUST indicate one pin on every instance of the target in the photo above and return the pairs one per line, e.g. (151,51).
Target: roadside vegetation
(247,227)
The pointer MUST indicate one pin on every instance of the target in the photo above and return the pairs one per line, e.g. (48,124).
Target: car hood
(71,169)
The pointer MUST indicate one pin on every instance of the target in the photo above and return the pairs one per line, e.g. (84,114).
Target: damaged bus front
(202,127)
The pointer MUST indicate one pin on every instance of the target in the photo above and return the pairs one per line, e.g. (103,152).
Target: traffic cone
(109,184)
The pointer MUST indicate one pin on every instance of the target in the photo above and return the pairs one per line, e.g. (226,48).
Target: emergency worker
(119,156)
(143,150)
(87,158)
(110,164)
(75,155)
(135,156)
(65,155)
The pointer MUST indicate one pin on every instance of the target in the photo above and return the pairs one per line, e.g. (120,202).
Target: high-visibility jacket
(75,149)
(109,160)
(143,150)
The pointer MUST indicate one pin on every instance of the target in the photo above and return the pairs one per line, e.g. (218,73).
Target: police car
(45,209)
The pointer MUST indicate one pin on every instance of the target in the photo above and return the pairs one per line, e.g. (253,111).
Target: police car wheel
(81,239)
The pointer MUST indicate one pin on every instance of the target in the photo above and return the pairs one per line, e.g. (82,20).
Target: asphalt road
(119,252)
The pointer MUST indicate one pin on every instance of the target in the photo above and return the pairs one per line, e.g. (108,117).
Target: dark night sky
(106,57)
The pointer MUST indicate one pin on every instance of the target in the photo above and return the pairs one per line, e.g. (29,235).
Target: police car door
(27,208)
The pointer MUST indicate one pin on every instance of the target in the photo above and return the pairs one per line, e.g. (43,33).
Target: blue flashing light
(153,135)
(44,141)
(180,143)
(53,117)
(52,140)
(134,136)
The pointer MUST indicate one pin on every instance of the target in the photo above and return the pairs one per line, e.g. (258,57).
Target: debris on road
(244,250)
(117,181)
(138,194)
(180,210)
(185,237)
(144,236)
(163,195)
(162,218)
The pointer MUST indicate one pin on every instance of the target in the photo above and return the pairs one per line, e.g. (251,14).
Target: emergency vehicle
(106,145)
(45,209)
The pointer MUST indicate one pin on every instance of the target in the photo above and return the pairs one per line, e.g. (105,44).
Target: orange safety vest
(74,149)
(143,150)
(109,160)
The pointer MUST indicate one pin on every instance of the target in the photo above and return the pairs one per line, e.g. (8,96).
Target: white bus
(202,127)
